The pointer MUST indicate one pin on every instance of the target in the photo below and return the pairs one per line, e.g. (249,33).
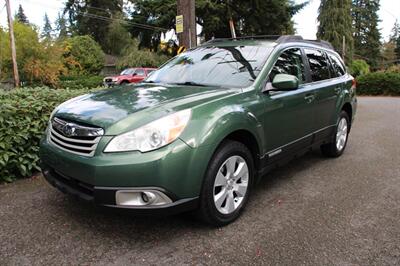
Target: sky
(305,20)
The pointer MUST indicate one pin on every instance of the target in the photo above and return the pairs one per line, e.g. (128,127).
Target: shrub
(80,82)
(379,83)
(359,67)
(83,56)
(24,115)
(133,57)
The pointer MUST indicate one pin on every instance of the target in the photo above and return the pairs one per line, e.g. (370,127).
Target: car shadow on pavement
(123,223)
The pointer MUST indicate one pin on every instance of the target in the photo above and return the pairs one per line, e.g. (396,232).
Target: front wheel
(338,144)
(227,184)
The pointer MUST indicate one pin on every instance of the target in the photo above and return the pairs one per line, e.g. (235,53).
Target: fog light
(141,198)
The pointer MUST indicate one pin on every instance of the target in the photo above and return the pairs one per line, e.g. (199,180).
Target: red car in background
(129,75)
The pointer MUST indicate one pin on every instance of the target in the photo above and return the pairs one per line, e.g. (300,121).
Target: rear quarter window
(337,65)
(319,65)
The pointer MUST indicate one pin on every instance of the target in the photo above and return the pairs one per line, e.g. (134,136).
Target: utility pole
(12,44)
(344,48)
(188,37)
(231,23)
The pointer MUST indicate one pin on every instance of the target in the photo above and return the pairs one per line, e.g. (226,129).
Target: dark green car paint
(274,120)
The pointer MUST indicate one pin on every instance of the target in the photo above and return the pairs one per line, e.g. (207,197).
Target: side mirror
(284,82)
(134,74)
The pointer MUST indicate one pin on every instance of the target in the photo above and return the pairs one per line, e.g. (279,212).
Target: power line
(103,18)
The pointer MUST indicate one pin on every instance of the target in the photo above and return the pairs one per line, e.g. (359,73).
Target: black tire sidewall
(337,153)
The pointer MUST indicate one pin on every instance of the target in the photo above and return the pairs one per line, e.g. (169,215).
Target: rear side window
(289,62)
(140,72)
(337,66)
(319,64)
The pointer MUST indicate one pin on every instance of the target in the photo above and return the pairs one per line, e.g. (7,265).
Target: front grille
(83,143)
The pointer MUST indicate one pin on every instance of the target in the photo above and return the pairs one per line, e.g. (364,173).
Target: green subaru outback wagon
(200,131)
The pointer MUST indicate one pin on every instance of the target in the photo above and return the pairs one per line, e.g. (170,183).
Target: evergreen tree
(117,37)
(254,17)
(395,38)
(47,29)
(335,23)
(20,16)
(61,27)
(92,17)
(366,33)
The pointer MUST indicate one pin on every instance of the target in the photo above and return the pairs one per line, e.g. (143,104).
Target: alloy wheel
(341,134)
(231,184)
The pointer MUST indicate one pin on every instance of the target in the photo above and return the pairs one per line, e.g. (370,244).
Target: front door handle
(309,98)
(337,90)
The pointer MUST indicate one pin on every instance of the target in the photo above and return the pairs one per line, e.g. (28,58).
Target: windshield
(230,66)
(128,71)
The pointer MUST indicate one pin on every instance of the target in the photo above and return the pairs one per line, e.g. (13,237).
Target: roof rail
(320,43)
(276,38)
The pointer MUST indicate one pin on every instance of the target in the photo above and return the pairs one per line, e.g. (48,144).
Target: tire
(123,83)
(214,209)
(336,149)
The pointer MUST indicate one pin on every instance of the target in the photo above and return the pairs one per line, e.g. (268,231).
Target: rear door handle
(309,98)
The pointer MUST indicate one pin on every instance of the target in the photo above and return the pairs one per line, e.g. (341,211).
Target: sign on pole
(179,24)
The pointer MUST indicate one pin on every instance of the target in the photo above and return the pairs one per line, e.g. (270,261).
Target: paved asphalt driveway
(314,211)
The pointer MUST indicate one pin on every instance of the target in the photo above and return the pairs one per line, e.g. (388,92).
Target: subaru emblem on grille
(69,130)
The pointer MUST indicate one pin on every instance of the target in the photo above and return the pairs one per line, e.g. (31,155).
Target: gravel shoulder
(313,211)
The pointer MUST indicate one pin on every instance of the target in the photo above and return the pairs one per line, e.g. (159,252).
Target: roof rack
(276,38)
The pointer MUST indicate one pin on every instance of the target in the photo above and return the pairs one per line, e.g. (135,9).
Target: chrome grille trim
(84,145)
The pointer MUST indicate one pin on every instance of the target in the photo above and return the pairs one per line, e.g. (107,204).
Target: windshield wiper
(190,83)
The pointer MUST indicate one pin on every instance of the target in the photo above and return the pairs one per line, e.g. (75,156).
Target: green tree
(37,62)
(366,33)
(255,17)
(47,29)
(83,55)
(335,22)
(395,38)
(20,16)
(92,17)
(61,27)
(117,37)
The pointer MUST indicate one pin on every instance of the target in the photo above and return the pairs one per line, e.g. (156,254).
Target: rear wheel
(227,184)
(339,142)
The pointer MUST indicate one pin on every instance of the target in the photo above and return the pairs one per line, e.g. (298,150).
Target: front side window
(337,66)
(319,64)
(289,62)
(222,66)
(128,72)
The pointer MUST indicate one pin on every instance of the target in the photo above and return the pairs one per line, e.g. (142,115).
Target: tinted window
(337,66)
(289,62)
(225,66)
(319,65)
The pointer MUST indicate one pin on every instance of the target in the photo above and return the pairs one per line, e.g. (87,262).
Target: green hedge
(379,83)
(24,115)
(80,82)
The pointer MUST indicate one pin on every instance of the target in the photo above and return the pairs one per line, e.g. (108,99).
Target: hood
(107,107)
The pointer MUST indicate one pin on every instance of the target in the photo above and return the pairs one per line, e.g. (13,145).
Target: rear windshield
(230,66)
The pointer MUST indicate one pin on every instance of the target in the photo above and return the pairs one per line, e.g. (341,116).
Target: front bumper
(106,196)
(176,170)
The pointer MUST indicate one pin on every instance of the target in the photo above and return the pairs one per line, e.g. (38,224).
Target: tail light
(354,83)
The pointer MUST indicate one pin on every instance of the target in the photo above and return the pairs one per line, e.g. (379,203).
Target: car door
(140,75)
(327,87)
(289,115)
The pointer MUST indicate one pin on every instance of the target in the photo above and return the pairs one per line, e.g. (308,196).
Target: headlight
(152,136)
(114,79)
